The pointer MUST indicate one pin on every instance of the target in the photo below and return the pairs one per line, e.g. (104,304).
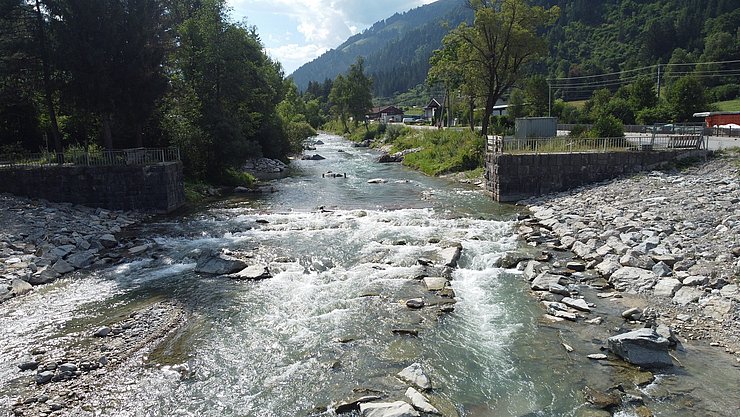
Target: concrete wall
(155,188)
(512,178)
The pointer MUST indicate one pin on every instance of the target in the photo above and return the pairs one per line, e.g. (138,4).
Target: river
(342,253)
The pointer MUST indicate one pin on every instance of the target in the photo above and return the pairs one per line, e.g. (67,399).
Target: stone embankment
(672,238)
(42,241)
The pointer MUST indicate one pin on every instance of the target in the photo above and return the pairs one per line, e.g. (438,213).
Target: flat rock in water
(420,402)
(376,181)
(354,405)
(597,356)
(435,283)
(642,347)
(252,272)
(138,249)
(545,280)
(394,409)
(414,375)
(450,256)
(576,266)
(219,264)
(577,303)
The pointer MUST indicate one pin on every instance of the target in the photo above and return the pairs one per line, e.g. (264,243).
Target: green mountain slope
(396,49)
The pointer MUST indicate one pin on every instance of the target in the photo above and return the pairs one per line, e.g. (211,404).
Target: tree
(503,39)
(686,97)
(360,87)
(642,94)
(339,100)
(536,93)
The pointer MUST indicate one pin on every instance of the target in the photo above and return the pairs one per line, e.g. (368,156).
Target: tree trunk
(490,100)
(139,137)
(107,135)
(48,100)
(449,108)
(471,103)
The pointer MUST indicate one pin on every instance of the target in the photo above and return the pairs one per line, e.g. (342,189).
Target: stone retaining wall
(512,178)
(155,188)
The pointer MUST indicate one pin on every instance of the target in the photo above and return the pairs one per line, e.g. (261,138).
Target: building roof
(433,103)
(385,109)
(715,113)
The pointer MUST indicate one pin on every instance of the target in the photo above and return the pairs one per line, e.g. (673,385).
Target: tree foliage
(494,50)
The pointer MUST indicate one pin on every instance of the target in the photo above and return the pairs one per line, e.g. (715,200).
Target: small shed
(535,127)
(432,109)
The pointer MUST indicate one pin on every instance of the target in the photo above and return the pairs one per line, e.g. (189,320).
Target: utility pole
(549,99)
(658,81)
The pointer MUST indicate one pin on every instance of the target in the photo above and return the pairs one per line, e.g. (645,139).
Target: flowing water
(320,331)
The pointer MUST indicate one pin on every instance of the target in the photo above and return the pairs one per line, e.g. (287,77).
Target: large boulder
(686,295)
(394,409)
(450,256)
(219,264)
(415,376)
(642,347)
(420,402)
(667,287)
(628,278)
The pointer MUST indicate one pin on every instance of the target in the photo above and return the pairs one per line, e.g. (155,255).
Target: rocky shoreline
(43,241)
(660,250)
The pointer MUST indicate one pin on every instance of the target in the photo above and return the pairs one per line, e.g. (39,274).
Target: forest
(143,73)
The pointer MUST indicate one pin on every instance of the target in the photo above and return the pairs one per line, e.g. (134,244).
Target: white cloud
(316,25)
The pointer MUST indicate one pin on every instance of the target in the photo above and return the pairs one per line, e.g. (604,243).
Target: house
(432,109)
(386,114)
(719,118)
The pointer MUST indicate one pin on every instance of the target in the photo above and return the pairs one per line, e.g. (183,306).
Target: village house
(386,114)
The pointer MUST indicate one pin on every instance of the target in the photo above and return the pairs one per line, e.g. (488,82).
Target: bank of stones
(42,241)
(672,237)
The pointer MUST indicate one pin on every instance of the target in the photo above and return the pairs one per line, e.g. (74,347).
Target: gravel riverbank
(671,238)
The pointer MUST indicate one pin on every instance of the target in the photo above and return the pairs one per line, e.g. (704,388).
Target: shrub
(607,126)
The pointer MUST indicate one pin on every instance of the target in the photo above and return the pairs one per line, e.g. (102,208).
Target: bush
(442,151)
(393,132)
(724,92)
(235,178)
(607,126)
(579,131)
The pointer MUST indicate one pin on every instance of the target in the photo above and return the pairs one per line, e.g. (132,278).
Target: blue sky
(296,31)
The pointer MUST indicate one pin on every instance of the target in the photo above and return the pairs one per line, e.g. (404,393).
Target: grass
(442,151)
(729,105)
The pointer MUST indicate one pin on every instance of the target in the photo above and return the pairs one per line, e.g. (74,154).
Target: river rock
(533,269)
(607,267)
(545,280)
(67,367)
(20,287)
(103,331)
(600,399)
(314,157)
(62,267)
(108,241)
(686,295)
(435,283)
(253,272)
(576,266)
(576,303)
(731,291)
(667,287)
(642,347)
(630,278)
(450,256)
(695,280)
(718,308)
(81,259)
(415,303)
(420,402)
(662,270)
(354,405)
(376,181)
(633,313)
(28,366)
(44,377)
(136,250)
(394,409)
(414,375)
(219,264)
(386,158)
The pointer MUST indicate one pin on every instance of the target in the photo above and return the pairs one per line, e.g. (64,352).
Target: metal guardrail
(119,157)
(567,144)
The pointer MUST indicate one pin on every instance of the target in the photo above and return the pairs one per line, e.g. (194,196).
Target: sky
(296,31)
